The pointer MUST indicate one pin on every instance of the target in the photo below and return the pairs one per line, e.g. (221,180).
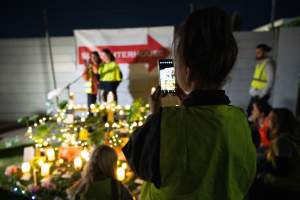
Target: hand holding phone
(167,76)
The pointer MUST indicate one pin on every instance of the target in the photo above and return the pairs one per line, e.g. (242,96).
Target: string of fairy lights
(71,129)
(68,144)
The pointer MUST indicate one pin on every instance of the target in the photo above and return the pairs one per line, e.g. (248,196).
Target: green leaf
(63,104)
(23,120)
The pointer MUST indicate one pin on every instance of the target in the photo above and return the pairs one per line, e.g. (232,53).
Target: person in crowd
(280,177)
(263,77)
(110,74)
(98,180)
(260,121)
(90,75)
(203,148)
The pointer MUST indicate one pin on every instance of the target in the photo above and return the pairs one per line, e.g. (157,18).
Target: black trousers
(114,92)
(91,99)
(109,86)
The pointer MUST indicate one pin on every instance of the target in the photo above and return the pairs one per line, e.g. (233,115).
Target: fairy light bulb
(153,89)
(120,174)
(121,112)
(45,169)
(29,130)
(115,125)
(25,167)
(124,165)
(85,155)
(92,106)
(50,154)
(78,163)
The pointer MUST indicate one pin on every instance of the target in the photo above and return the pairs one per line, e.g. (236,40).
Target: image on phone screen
(167,75)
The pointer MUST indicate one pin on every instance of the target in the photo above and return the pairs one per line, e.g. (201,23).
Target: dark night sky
(24,18)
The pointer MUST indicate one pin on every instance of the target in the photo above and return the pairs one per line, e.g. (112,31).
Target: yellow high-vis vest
(260,78)
(110,72)
(89,83)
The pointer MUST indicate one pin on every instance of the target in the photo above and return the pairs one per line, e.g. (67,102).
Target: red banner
(141,53)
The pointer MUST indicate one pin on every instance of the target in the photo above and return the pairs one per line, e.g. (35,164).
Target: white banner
(137,50)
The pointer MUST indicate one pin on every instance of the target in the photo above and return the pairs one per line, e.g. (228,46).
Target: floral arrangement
(63,142)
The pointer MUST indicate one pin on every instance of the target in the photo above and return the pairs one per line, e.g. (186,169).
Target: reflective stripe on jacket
(260,77)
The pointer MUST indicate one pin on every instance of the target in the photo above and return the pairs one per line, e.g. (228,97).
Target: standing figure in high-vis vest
(90,75)
(202,149)
(263,76)
(110,74)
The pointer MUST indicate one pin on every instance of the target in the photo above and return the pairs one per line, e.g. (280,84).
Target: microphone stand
(68,86)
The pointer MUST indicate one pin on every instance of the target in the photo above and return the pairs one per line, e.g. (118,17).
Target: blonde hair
(103,163)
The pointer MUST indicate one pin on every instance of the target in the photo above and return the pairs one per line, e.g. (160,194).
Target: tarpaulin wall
(25,77)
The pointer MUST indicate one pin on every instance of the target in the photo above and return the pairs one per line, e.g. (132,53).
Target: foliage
(137,111)
(108,124)
(63,105)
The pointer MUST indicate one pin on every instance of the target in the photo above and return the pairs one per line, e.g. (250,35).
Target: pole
(273,14)
(273,29)
(50,50)
(274,35)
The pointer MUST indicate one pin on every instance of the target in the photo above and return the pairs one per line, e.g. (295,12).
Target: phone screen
(167,75)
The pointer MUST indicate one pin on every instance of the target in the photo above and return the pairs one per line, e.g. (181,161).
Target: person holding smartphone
(167,76)
(203,148)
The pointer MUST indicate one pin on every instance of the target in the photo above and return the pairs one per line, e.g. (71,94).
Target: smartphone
(167,76)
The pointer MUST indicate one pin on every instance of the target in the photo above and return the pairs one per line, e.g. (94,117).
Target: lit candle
(124,165)
(110,98)
(110,114)
(25,167)
(50,154)
(92,106)
(153,89)
(34,177)
(45,169)
(77,163)
(120,173)
(110,103)
(29,130)
(40,162)
(85,155)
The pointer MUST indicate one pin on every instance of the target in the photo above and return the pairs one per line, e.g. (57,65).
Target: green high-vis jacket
(206,153)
